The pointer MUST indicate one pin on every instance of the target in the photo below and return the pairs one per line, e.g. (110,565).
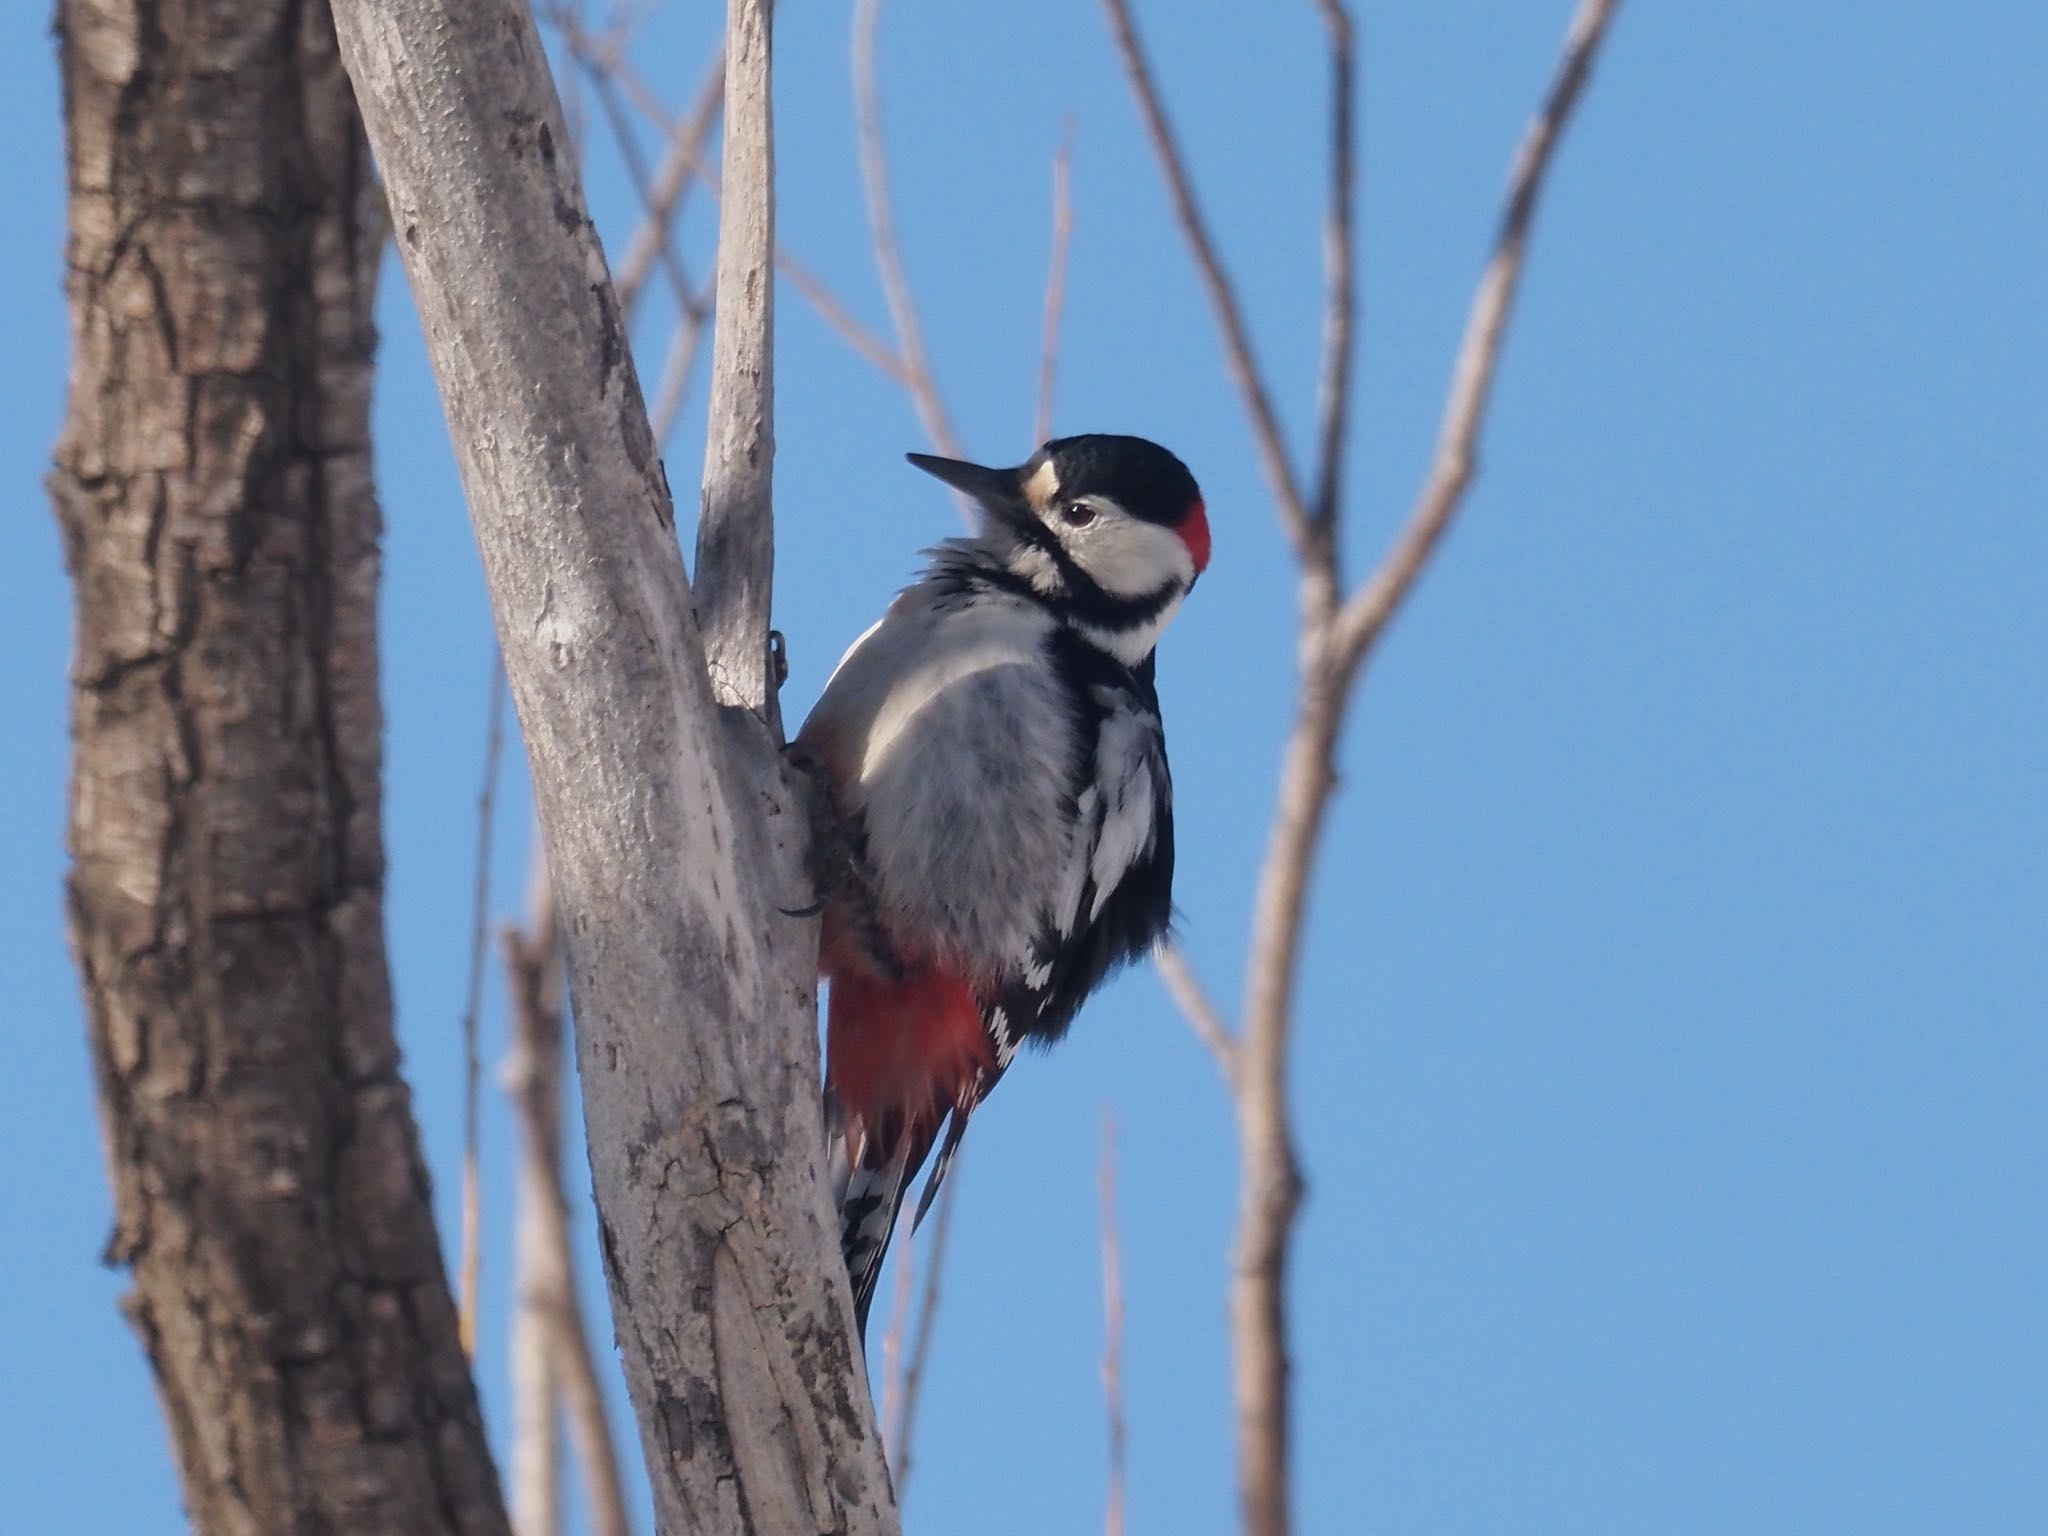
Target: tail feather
(956,1127)
(870,1198)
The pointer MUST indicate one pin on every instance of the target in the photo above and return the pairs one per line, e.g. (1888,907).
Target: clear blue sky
(1673,1059)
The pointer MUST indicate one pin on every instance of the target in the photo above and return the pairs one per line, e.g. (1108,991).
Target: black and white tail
(869,1180)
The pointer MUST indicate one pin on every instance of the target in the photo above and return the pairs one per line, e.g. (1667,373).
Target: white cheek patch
(1128,557)
(1043,486)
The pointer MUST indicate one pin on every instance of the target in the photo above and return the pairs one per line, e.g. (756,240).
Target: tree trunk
(213,483)
(672,839)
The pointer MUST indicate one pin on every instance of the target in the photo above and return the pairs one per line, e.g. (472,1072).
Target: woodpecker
(993,767)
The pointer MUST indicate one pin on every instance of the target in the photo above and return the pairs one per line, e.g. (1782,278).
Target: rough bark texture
(671,835)
(213,483)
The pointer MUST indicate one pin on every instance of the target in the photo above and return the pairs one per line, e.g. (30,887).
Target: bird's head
(1110,530)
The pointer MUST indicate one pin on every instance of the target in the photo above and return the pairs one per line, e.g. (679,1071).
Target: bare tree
(673,839)
(213,483)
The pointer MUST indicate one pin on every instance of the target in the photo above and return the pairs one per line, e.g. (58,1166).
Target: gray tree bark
(671,835)
(213,484)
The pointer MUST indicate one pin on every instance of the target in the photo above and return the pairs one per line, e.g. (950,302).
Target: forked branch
(1369,610)
(671,834)
(1336,640)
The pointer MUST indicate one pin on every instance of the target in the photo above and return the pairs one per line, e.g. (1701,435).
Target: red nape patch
(903,1052)
(1194,532)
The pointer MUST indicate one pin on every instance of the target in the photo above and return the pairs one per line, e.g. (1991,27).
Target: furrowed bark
(213,483)
(672,837)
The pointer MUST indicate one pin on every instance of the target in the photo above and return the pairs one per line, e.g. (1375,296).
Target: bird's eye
(1077,514)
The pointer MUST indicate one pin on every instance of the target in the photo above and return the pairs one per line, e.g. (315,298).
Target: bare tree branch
(736,529)
(927,1322)
(1196,1006)
(637,173)
(533,1080)
(840,318)
(1055,279)
(892,1340)
(1340,304)
(551,1341)
(1368,611)
(684,344)
(1335,643)
(583,1404)
(671,834)
(829,308)
(472,1011)
(680,161)
(1112,1329)
(1237,346)
(874,175)
(1271,1178)
(661,194)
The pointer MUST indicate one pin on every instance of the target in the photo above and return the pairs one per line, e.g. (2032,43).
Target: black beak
(996,489)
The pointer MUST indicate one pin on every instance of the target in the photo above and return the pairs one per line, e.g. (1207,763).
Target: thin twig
(892,1341)
(548,1301)
(1341,299)
(1055,279)
(472,1070)
(840,318)
(927,1322)
(1196,1006)
(533,1080)
(676,367)
(1112,1329)
(1368,611)
(572,87)
(590,1430)
(874,175)
(683,160)
(639,92)
(827,304)
(1237,346)
(680,160)
(642,179)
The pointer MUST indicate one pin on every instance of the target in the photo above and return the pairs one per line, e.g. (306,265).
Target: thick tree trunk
(213,482)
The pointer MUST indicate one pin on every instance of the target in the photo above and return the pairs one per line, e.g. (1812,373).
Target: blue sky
(1673,1057)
